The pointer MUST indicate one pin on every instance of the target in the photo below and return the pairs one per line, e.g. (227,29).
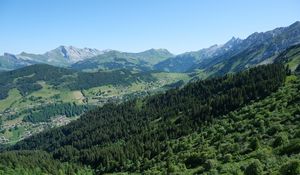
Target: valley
(232,108)
(169,132)
(15,108)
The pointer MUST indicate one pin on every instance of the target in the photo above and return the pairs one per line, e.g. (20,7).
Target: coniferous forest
(235,124)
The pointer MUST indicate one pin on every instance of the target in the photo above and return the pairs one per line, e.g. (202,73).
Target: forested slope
(260,138)
(26,79)
(37,163)
(136,135)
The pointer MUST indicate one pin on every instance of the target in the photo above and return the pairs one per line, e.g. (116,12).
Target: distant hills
(62,56)
(86,59)
(235,55)
(116,60)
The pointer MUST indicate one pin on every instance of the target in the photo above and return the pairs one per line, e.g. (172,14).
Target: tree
(280,140)
(254,144)
(291,168)
(254,168)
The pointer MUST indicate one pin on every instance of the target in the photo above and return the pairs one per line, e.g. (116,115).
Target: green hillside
(36,163)
(290,57)
(245,123)
(38,97)
(123,60)
(260,138)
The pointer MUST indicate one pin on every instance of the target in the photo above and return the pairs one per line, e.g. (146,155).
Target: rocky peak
(73,54)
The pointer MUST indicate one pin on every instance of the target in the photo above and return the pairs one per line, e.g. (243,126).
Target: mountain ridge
(66,56)
(60,56)
(115,60)
(215,60)
(226,57)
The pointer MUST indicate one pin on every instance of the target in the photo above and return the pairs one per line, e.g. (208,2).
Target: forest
(27,79)
(148,134)
(44,113)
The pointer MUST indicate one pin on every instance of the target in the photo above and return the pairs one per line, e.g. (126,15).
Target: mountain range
(115,60)
(86,59)
(234,55)
(62,56)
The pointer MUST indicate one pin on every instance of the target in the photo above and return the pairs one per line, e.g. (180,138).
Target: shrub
(254,144)
(209,164)
(291,168)
(255,168)
(280,140)
(228,158)
(194,160)
(291,148)
(274,129)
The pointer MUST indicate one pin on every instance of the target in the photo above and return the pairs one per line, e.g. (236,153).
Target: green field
(13,96)
(294,62)
(171,77)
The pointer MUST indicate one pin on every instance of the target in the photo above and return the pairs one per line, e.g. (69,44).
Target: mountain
(9,61)
(233,56)
(116,60)
(71,54)
(62,56)
(236,54)
(153,56)
(236,123)
(86,59)
(183,62)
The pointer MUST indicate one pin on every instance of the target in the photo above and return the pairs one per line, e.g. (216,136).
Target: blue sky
(37,26)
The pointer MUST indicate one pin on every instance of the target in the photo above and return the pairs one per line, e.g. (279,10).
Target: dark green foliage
(118,77)
(228,158)
(292,148)
(285,57)
(255,168)
(254,144)
(280,140)
(12,117)
(209,165)
(27,88)
(194,160)
(4,92)
(291,168)
(298,68)
(274,129)
(44,113)
(126,137)
(26,79)
(36,162)
(177,84)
